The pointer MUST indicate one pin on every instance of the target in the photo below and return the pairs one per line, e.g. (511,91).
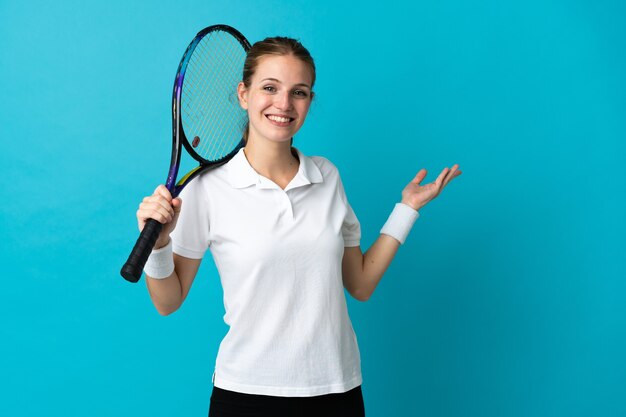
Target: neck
(272,159)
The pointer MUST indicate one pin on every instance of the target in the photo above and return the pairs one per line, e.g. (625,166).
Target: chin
(281,140)
(280,136)
(276,135)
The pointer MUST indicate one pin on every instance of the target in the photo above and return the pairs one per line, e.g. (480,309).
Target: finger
(454,172)
(157,205)
(450,174)
(157,213)
(158,199)
(177,205)
(147,208)
(166,209)
(164,192)
(420,176)
(441,177)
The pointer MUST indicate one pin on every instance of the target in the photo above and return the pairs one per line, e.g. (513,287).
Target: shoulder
(326,167)
(207,181)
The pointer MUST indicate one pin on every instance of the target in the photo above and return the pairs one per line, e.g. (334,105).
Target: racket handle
(132,269)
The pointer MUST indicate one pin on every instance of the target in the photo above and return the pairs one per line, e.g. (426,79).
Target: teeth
(279,119)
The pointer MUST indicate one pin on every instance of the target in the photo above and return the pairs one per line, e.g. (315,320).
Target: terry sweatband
(400,222)
(160,264)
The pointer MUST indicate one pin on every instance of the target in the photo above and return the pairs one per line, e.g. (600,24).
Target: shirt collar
(242,175)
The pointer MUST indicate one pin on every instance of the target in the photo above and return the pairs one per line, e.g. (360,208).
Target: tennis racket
(206,119)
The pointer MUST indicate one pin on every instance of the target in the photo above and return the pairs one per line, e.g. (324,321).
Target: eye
(269,88)
(300,93)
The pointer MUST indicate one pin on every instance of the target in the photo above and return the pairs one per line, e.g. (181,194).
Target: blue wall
(508,298)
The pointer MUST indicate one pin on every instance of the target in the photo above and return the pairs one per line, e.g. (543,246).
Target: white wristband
(160,264)
(400,222)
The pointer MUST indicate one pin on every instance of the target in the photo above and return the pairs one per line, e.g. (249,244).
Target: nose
(283,101)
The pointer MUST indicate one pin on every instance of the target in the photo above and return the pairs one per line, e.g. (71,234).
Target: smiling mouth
(280,119)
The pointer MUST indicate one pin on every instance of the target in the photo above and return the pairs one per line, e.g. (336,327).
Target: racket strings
(223,144)
(197,81)
(221,128)
(221,123)
(204,81)
(207,114)
(210,84)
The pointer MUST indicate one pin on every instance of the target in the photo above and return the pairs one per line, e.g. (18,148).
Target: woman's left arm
(362,272)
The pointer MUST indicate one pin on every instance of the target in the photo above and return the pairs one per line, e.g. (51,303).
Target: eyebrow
(278,81)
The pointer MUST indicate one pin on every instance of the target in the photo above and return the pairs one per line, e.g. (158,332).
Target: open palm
(417,196)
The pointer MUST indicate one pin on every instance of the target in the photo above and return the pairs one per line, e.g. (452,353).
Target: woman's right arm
(169,293)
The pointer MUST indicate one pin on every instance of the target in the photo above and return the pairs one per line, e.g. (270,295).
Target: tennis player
(285,242)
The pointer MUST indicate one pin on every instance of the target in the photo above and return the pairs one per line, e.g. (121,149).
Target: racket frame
(132,269)
(178,134)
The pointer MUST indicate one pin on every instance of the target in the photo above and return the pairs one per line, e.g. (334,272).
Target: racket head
(204,106)
(206,116)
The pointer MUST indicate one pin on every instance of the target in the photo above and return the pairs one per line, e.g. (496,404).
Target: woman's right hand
(161,207)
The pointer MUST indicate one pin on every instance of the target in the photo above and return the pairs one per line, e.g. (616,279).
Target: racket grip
(132,269)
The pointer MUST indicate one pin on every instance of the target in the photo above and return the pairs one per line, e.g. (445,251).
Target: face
(277,99)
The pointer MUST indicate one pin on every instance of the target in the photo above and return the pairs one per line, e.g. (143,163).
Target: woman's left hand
(417,196)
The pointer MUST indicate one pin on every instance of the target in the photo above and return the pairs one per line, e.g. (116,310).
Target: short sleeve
(190,238)
(351,228)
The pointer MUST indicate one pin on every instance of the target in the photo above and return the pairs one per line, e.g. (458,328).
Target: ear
(242,95)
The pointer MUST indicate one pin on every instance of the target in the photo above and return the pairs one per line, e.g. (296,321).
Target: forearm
(169,277)
(166,294)
(376,260)
(363,272)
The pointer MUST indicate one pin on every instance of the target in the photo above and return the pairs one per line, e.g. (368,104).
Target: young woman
(286,242)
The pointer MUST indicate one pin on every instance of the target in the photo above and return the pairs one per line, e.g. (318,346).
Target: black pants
(235,404)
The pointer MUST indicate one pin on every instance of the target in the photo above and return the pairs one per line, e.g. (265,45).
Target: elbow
(361,291)
(165,311)
(358,286)
(361,295)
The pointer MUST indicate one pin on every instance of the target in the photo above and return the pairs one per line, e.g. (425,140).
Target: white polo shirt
(279,254)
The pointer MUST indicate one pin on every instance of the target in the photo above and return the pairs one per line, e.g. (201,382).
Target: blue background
(508,298)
